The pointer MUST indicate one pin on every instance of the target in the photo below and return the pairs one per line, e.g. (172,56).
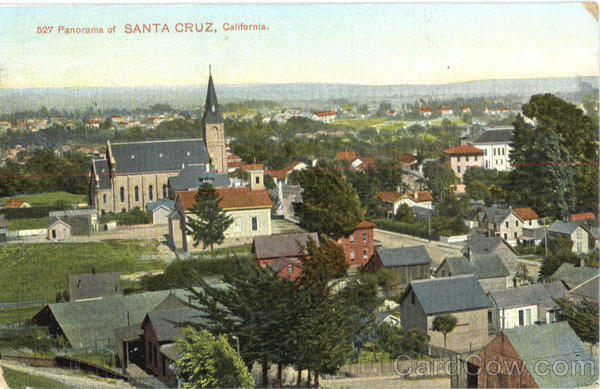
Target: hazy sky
(341,43)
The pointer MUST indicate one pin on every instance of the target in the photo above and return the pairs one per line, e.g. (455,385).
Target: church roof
(212,112)
(159,156)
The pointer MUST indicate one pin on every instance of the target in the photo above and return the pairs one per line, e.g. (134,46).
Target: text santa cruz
(190,27)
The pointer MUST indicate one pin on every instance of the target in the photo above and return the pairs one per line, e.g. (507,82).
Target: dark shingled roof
(494,136)
(212,111)
(282,245)
(552,343)
(194,174)
(588,289)
(530,295)
(102,170)
(90,285)
(168,203)
(573,276)
(159,156)
(561,227)
(484,266)
(449,294)
(495,214)
(280,263)
(167,323)
(479,243)
(404,256)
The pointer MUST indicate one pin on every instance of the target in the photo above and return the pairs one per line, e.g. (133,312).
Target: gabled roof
(167,323)
(484,266)
(481,244)
(404,256)
(588,289)
(102,171)
(349,155)
(282,245)
(573,276)
(582,216)
(54,221)
(212,111)
(407,158)
(14,203)
(495,136)
(280,263)
(552,343)
(392,197)
(525,213)
(496,214)
(166,203)
(530,295)
(194,175)
(159,156)
(560,227)
(231,198)
(448,294)
(364,225)
(93,285)
(463,150)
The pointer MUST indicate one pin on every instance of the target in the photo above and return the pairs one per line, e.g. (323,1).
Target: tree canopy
(209,221)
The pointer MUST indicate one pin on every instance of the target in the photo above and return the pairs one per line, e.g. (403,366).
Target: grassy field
(47,198)
(28,224)
(18,380)
(38,271)
(394,126)
(18,315)
(103,358)
(359,123)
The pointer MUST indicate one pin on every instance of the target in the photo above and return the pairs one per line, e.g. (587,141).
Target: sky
(376,44)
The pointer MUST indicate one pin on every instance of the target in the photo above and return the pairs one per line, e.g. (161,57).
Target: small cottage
(58,230)
(411,263)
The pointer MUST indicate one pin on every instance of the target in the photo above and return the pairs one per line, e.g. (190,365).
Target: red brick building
(360,245)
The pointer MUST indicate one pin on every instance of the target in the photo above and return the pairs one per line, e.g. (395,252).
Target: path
(67,377)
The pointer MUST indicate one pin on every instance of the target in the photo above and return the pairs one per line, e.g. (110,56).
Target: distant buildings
(325,116)
(464,157)
(497,146)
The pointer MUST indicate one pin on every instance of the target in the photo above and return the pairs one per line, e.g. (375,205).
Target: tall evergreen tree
(209,221)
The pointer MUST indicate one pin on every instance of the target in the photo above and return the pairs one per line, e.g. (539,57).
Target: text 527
(44,29)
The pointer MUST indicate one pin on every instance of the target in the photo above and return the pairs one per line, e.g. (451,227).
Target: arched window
(136,192)
(122,193)
(104,198)
(150,194)
(164,191)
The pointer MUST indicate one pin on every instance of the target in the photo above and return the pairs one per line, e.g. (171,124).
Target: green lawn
(103,358)
(394,126)
(18,315)
(359,123)
(28,223)
(38,271)
(18,380)
(49,198)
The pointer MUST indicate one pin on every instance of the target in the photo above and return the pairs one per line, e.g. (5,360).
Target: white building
(496,144)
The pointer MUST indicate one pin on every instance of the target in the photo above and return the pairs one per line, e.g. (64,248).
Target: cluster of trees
(43,172)
(311,325)
(132,217)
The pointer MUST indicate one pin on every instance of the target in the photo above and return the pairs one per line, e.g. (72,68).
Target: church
(137,173)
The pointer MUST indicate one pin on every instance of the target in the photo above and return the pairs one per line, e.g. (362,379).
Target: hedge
(419,230)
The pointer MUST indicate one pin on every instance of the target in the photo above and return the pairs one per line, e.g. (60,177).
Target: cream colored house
(508,223)
(576,233)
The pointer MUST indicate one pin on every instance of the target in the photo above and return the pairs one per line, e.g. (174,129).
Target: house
(160,329)
(536,356)
(573,231)
(160,211)
(479,244)
(507,222)
(446,111)
(359,246)
(94,285)
(393,200)
(582,217)
(250,209)
(382,317)
(348,156)
(325,116)
(529,217)
(461,296)
(365,163)
(465,109)
(281,176)
(525,305)
(425,111)
(587,290)
(83,222)
(58,230)
(136,173)
(487,268)
(408,161)
(283,253)
(496,144)
(464,157)
(17,203)
(411,263)
(573,276)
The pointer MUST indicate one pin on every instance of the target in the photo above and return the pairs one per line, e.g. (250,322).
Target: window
(458,159)
(290,269)
(485,152)
(352,255)
(467,158)
(578,233)
(150,193)
(164,191)
(365,253)
(529,222)
(503,151)
(254,223)
(579,248)
(506,224)
(505,236)
(53,234)
(486,163)
(475,158)
(122,193)
(104,198)
(364,236)
(257,180)
(516,223)
(515,235)
(521,317)
(494,151)
(528,316)
(136,193)
(352,238)
(458,168)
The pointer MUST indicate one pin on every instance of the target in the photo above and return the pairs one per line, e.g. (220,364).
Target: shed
(58,230)
(411,263)
(160,211)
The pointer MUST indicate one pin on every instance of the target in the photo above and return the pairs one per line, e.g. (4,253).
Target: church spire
(212,112)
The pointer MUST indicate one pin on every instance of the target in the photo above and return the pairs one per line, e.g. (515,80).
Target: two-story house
(359,246)
(393,200)
(496,144)
(573,231)
(507,222)
(464,157)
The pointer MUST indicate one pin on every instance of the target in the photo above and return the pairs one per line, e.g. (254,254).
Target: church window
(164,191)
(104,198)
(122,193)
(137,193)
(213,108)
(150,194)
(254,223)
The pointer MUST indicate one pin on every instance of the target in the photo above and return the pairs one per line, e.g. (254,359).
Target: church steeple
(212,112)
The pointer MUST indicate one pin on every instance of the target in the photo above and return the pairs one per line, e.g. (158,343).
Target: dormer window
(132,156)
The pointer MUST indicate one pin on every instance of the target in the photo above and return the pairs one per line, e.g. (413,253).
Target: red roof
(280,174)
(327,113)
(367,162)
(15,203)
(444,109)
(388,197)
(407,158)
(231,198)
(425,109)
(464,107)
(234,164)
(526,213)
(349,156)
(392,197)
(253,166)
(582,216)
(365,224)
(463,149)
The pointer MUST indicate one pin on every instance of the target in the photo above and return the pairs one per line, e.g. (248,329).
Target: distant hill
(193,96)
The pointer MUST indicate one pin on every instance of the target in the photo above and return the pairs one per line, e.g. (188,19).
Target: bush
(135,216)
(396,341)
(419,230)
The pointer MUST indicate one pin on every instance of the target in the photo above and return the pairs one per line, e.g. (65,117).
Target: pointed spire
(212,112)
